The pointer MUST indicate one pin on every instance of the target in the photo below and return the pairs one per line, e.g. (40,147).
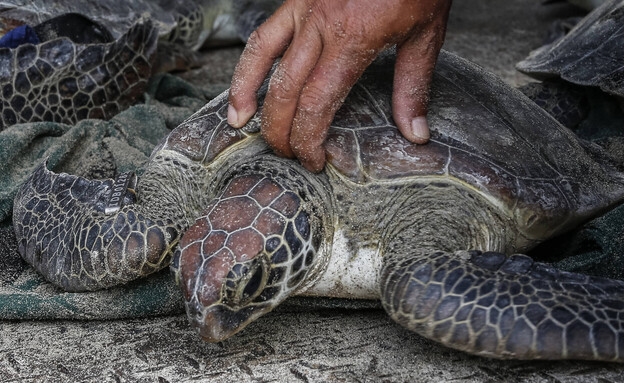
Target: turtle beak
(220,322)
(237,302)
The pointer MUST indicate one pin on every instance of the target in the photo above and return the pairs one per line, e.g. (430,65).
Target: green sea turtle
(580,67)
(591,54)
(64,81)
(180,21)
(430,230)
(95,58)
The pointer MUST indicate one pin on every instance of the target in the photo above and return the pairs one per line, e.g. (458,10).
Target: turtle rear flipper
(507,308)
(87,235)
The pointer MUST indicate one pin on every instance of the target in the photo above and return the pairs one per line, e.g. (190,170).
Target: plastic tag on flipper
(123,183)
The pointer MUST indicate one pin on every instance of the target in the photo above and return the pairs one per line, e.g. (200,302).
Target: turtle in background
(574,66)
(581,79)
(92,59)
(591,54)
(432,231)
(65,81)
(178,21)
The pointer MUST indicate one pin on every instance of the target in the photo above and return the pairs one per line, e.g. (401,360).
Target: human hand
(326,45)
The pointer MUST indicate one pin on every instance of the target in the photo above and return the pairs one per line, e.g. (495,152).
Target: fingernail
(420,128)
(232,116)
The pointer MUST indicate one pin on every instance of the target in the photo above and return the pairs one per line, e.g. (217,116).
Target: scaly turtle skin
(590,55)
(95,57)
(566,102)
(386,220)
(177,21)
(62,81)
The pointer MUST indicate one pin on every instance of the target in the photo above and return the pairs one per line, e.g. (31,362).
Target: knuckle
(317,101)
(279,146)
(357,31)
(305,145)
(255,43)
(302,149)
(283,85)
(309,153)
(270,139)
(276,137)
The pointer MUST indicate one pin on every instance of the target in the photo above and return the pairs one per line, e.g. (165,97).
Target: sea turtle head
(255,245)
(225,296)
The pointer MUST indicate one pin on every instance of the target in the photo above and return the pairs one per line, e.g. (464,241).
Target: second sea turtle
(93,58)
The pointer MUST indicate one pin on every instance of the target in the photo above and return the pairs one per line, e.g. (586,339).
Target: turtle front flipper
(87,235)
(490,305)
(255,245)
(63,81)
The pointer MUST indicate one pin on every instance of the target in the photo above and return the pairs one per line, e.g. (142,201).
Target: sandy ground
(290,344)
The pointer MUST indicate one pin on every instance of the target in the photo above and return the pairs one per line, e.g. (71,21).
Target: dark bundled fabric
(23,34)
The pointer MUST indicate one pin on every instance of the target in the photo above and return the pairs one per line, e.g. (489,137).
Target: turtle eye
(254,285)
(246,281)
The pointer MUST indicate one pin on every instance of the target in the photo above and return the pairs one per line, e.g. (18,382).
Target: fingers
(416,59)
(323,94)
(264,45)
(316,72)
(285,89)
(410,97)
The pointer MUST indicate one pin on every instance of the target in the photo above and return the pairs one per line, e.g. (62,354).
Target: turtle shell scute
(205,134)
(484,135)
